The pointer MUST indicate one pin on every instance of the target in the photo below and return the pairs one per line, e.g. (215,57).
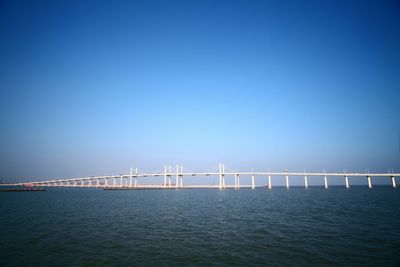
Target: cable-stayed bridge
(174,177)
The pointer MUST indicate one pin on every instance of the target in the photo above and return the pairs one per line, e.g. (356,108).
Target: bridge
(130,181)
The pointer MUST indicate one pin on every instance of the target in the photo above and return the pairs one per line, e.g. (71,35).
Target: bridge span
(130,181)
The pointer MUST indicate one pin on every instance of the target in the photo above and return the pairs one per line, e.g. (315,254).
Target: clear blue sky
(95,87)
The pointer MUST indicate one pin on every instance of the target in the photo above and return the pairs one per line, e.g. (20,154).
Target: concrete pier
(369,182)
(177,177)
(326,182)
(181,176)
(223,176)
(346,179)
(165,176)
(220,176)
(287,181)
(236,181)
(131,178)
(305,181)
(136,177)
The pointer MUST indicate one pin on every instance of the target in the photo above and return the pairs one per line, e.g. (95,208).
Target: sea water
(201,227)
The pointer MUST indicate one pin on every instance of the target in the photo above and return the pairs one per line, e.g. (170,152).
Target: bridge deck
(179,175)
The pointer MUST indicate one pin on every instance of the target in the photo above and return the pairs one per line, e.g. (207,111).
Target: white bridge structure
(130,181)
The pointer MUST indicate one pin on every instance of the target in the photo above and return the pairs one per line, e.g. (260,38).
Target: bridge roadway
(130,181)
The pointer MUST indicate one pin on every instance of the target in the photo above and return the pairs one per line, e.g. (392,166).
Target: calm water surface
(278,227)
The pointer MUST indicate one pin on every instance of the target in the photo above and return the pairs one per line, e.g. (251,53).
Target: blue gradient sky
(92,87)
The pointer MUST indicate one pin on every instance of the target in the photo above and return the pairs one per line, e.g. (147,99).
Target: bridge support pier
(269,182)
(287,181)
(369,182)
(136,177)
(252,182)
(394,182)
(165,176)
(169,176)
(326,182)
(177,177)
(237,181)
(131,178)
(305,181)
(346,179)
(181,176)
(221,176)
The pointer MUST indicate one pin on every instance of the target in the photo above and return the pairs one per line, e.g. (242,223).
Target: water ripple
(314,227)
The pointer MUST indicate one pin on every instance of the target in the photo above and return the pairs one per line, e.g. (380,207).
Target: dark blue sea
(201,227)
